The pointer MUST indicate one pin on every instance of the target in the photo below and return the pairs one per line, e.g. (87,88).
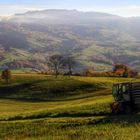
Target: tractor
(127,98)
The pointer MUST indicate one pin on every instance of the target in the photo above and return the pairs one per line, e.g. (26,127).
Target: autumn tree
(6,75)
(124,71)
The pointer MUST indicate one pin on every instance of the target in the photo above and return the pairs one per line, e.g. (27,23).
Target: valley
(94,39)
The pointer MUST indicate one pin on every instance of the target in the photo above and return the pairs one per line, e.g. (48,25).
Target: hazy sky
(125,8)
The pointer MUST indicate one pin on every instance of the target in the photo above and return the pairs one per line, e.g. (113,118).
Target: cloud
(126,11)
(6,10)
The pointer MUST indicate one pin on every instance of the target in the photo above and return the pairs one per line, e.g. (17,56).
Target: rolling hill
(96,40)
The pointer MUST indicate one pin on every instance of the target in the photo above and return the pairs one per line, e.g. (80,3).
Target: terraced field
(40,107)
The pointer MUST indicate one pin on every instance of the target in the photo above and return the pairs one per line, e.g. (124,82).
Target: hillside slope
(95,39)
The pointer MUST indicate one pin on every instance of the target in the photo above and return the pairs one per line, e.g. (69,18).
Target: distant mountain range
(95,39)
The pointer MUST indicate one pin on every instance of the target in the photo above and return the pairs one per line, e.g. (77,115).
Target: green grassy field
(40,107)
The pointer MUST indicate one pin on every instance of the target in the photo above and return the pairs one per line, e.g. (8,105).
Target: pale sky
(126,8)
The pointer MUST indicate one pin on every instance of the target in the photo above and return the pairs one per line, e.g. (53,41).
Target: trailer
(127,98)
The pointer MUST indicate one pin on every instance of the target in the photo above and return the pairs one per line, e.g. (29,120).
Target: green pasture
(40,107)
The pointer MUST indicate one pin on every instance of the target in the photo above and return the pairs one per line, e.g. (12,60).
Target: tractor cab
(121,92)
(127,97)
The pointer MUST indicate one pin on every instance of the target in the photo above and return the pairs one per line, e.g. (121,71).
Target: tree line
(119,70)
(59,64)
(65,64)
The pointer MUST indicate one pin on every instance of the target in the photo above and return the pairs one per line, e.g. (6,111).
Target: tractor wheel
(117,108)
(114,108)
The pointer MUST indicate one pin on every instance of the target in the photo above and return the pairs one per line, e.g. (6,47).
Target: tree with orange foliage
(122,70)
(6,75)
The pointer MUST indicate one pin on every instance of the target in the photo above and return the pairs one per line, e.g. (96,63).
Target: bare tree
(56,63)
(70,64)
(6,75)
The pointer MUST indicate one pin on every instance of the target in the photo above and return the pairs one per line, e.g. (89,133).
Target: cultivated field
(39,107)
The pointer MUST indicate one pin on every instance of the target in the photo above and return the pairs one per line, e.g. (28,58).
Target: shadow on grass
(123,120)
(118,119)
(48,90)
(11,88)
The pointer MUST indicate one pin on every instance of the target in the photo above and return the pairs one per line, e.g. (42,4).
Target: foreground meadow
(67,108)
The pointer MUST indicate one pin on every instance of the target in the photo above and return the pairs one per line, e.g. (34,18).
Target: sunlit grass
(45,108)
